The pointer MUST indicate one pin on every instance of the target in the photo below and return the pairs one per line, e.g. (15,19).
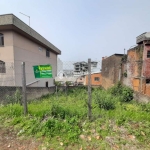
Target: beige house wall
(6,51)
(29,52)
(7,55)
(18,49)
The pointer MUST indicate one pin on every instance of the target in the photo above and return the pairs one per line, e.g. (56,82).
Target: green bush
(105,101)
(125,93)
(61,112)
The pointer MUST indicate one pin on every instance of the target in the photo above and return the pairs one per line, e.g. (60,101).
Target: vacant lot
(60,122)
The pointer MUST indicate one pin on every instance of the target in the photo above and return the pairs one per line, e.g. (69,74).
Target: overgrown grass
(63,119)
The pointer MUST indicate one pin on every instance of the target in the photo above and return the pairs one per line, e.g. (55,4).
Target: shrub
(125,93)
(61,112)
(105,101)
(58,111)
(116,89)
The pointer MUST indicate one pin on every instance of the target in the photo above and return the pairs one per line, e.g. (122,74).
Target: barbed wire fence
(79,73)
(73,70)
(133,73)
(11,77)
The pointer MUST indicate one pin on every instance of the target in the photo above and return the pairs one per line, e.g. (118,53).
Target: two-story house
(20,43)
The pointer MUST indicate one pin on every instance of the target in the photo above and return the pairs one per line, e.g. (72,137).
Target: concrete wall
(141,97)
(32,54)
(32,93)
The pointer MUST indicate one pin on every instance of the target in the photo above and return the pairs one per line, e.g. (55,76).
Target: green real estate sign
(43,71)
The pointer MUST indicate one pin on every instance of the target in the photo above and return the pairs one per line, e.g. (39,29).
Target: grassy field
(61,122)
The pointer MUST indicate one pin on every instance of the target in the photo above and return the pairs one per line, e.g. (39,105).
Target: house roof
(118,54)
(11,22)
(97,72)
(81,62)
(142,37)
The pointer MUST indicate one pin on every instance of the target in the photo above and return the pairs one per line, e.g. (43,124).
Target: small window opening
(147,81)
(2,67)
(97,79)
(46,84)
(1,39)
(148,54)
(47,53)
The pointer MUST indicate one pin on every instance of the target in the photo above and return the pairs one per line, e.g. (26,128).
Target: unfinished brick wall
(138,69)
(133,67)
(110,70)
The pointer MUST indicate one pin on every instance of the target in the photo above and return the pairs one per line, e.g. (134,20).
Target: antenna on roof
(124,51)
(26,16)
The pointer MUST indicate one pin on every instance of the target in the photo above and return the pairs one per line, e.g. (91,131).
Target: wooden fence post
(24,94)
(89,91)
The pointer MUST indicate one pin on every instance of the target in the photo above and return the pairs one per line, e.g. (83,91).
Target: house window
(2,67)
(147,81)
(96,79)
(1,39)
(47,53)
(148,54)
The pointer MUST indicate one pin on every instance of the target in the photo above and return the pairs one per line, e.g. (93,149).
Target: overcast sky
(84,29)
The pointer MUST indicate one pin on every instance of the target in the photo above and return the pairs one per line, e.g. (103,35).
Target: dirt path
(10,141)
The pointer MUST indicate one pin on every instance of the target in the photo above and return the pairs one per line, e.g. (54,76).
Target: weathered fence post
(89,90)
(24,95)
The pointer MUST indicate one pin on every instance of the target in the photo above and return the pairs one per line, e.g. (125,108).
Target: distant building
(79,73)
(132,69)
(96,79)
(80,68)
(94,66)
(137,66)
